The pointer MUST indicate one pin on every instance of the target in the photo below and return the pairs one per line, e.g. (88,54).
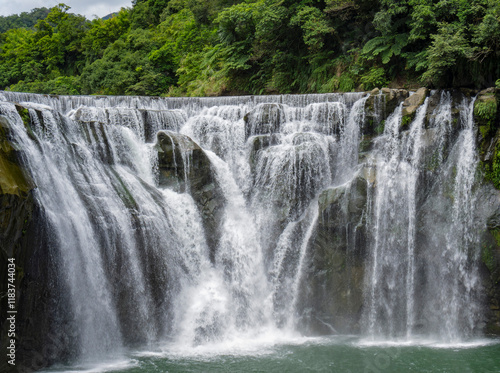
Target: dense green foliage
(214,47)
(25,19)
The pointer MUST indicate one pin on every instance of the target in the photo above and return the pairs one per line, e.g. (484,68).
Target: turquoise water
(331,354)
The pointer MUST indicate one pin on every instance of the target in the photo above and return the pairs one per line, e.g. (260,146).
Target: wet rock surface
(338,249)
(184,166)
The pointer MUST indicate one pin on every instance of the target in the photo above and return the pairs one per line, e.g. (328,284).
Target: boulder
(393,97)
(410,106)
(490,90)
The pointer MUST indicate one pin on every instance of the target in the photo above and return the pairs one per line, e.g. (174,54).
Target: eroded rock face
(338,249)
(486,115)
(184,166)
(393,97)
(333,282)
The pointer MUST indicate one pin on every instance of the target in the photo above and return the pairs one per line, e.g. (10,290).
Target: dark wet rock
(184,166)
(490,255)
(393,97)
(337,254)
(258,143)
(24,241)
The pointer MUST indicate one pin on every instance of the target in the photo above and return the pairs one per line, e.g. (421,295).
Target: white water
(392,281)
(402,304)
(96,175)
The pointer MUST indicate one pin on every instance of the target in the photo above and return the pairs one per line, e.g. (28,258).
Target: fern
(386,46)
(373,46)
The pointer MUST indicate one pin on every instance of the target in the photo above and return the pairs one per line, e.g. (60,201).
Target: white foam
(254,343)
(107,366)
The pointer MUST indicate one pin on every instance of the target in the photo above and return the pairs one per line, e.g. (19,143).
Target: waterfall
(458,295)
(201,221)
(397,307)
(392,281)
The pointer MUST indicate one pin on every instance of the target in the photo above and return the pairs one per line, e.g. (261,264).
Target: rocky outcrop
(146,123)
(411,104)
(486,115)
(337,255)
(379,105)
(490,257)
(258,143)
(332,285)
(393,97)
(487,118)
(184,166)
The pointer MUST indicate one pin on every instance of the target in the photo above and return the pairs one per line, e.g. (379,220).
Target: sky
(88,8)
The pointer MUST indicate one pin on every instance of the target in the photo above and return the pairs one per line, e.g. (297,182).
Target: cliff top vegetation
(219,47)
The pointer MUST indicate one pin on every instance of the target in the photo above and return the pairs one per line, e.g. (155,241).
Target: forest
(231,47)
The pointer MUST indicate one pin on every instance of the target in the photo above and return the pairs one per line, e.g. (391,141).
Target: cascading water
(196,222)
(392,280)
(402,304)
(455,243)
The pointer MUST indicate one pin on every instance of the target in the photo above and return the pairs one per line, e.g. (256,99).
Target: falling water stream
(145,285)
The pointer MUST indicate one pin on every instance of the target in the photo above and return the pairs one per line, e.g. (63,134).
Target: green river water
(326,354)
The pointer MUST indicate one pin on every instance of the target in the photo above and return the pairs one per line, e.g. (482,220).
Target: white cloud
(88,8)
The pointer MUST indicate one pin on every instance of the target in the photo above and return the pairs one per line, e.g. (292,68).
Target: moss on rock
(13,178)
(487,118)
(485,113)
